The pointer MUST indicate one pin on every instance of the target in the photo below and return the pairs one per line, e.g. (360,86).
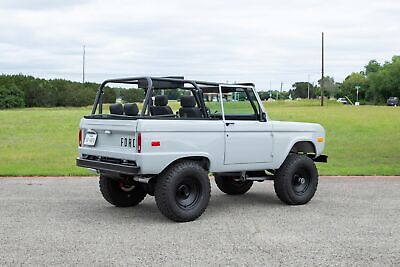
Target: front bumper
(107,166)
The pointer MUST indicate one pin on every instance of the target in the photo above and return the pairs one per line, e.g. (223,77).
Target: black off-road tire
(296,180)
(228,185)
(120,195)
(183,191)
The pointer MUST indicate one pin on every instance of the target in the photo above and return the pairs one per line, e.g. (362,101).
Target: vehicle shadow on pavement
(147,211)
(144,212)
(219,203)
(251,199)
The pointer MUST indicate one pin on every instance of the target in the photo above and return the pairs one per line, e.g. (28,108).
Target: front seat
(161,106)
(188,108)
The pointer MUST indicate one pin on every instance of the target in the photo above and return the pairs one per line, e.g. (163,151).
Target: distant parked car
(393,101)
(342,100)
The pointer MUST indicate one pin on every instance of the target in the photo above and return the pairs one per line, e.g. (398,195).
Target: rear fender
(164,160)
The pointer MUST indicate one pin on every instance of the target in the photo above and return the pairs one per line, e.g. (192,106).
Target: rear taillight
(139,143)
(80,137)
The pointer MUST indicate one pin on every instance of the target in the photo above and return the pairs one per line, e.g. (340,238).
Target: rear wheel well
(203,161)
(303,147)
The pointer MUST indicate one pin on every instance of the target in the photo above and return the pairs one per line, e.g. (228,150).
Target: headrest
(116,109)
(161,100)
(131,109)
(188,101)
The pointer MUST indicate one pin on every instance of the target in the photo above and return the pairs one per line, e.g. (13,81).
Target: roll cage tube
(147,97)
(149,91)
(99,95)
(200,100)
(195,90)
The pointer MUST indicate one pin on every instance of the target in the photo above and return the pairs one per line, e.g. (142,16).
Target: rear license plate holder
(90,138)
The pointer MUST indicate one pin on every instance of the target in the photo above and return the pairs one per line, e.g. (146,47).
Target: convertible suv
(223,129)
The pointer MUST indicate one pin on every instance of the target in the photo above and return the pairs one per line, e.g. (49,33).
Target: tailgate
(108,138)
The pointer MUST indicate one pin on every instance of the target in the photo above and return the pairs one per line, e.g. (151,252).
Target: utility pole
(322,72)
(83,64)
(281,88)
(308,87)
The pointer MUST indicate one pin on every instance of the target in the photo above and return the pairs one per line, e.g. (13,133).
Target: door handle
(229,123)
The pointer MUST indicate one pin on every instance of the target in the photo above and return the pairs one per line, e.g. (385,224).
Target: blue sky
(260,41)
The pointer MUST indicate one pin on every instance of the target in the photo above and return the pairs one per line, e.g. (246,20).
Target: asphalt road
(65,221)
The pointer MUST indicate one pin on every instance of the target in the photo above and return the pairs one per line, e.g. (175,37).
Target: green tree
(132,95)
(300,89)
(330,86)
(11,97)
(110,94)
(385,82)
(348,87)
(264,95)
(372,66)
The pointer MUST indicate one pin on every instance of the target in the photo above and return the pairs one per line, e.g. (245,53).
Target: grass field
(361,140)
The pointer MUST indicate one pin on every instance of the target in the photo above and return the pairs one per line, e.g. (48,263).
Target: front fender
(284,144)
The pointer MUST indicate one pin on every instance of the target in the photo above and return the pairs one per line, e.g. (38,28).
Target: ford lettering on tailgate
(127,142)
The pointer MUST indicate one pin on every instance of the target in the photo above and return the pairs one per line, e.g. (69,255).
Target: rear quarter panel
(178,139)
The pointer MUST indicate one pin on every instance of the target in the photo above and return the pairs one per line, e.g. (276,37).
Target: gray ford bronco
(219,128)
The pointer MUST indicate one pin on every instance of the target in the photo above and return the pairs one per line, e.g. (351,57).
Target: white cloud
(39,4)
(250,40)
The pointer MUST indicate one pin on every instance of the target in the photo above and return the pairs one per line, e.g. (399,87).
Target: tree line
(377,82)
(18,91)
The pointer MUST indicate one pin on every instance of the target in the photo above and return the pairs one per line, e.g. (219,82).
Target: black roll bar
(148,95)
(198,92)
